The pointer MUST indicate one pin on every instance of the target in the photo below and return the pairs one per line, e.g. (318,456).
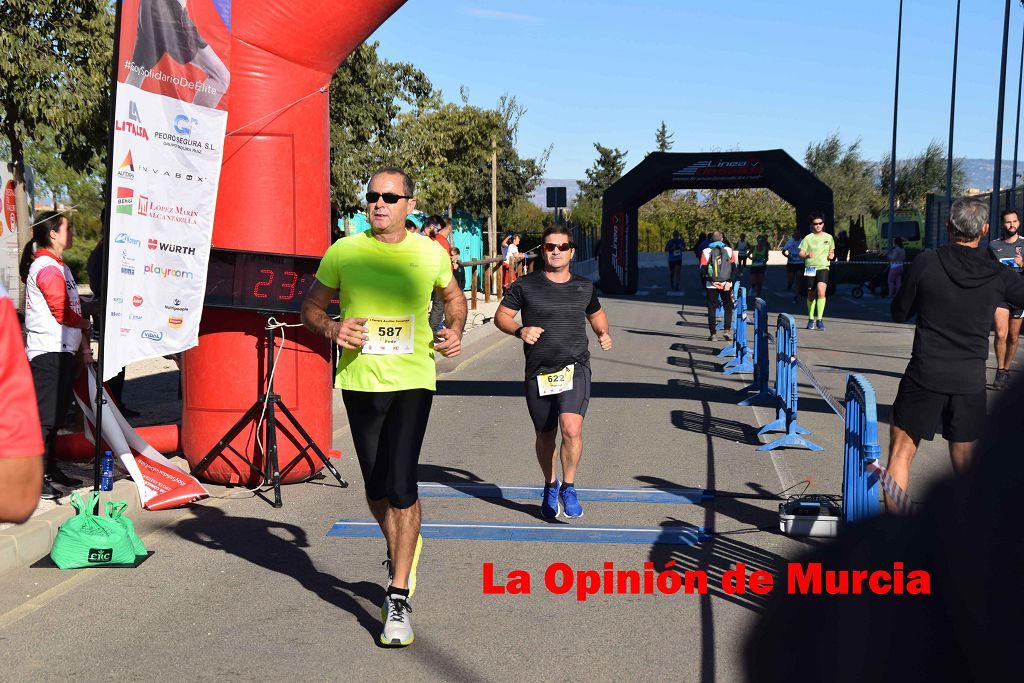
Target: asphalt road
(237,590)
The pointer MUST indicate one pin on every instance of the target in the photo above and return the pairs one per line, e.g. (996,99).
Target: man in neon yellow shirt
(818,249)
(384,278)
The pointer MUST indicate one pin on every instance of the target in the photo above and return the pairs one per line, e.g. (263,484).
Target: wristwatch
(519,332)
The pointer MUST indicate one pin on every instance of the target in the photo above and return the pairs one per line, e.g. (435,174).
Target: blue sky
(722,74)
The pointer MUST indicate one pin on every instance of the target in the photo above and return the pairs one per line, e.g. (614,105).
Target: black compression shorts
(544,410)
(387,430)
(820,275)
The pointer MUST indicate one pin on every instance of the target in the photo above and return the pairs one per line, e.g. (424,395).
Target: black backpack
(719,269)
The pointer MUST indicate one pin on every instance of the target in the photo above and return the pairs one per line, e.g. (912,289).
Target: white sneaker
(397,625)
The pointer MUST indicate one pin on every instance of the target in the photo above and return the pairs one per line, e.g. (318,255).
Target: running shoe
(49,491)
(810,324)
(549,504)
(712,337)
(1002,379)
(570,502)
(727,335)
(397,631)
(821,325)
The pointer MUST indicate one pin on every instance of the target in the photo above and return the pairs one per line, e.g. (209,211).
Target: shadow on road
(454,475)
(279,547)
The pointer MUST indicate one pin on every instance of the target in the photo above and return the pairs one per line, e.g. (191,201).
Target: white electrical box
(810,516)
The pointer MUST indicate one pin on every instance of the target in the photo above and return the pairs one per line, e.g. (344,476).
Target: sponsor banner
(719,169)
(161,483)
(168,138)
(9,253)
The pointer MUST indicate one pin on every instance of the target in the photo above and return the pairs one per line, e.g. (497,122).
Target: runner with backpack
(717,267)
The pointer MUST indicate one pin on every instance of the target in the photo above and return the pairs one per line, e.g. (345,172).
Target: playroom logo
(154,269)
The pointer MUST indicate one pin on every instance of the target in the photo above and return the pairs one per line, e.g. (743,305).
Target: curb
(25,544)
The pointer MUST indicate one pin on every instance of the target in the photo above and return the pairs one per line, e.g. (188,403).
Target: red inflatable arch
(274,197)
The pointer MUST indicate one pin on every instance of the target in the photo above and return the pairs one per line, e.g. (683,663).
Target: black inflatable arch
(772,169)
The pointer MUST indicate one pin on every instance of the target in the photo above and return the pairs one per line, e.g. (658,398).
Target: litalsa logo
(101,554)
(126,171)
(151,335)
(125,197)
(125,238)
(133,125)
(154,269)
(183,124)
(166,212)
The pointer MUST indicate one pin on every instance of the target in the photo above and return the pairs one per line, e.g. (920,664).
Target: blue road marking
(678,496)
(539,532)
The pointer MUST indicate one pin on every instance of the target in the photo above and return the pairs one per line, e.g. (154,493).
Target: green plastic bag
(88,540)
(115,512)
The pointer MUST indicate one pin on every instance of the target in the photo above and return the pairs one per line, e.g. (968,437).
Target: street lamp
(895,111)
(994,206)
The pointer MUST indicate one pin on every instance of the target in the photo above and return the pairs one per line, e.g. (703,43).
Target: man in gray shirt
(1007,318)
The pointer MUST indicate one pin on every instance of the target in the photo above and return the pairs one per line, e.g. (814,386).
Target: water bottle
(107,472)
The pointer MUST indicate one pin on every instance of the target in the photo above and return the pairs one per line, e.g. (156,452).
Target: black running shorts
(820,275)
(1014,312)
(919,412)
(387,430)
(544,410)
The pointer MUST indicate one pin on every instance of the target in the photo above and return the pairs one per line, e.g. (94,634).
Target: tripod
(270,401)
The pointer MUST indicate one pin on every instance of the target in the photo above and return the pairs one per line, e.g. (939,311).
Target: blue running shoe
(821,325)
(810,324)
(570,502)
(549,504)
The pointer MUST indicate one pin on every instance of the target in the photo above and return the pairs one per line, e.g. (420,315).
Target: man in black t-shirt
(555,306)
(1007,321)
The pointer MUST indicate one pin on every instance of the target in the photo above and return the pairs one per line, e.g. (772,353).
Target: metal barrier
(765,394)
(787,391)
(741,363)
(860,450)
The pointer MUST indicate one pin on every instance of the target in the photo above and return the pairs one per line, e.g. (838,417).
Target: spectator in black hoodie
(953,291)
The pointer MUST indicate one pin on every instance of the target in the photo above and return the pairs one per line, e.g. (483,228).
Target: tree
(56,76)
(366,97)
(851,177)
(606,170)
(920,175)
(662,138)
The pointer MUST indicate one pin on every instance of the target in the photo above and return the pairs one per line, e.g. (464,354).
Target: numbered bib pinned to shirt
(389,335)
(809,271)
(557,382)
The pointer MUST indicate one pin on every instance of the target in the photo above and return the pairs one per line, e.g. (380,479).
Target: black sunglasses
(551,246)
(389,197)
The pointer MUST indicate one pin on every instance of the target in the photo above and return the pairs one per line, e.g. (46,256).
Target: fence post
(787,389)
(742,361)
(472,288)
(860,448)
(765,394)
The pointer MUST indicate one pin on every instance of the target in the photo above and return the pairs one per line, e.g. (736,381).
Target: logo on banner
(183,124)
(128,174)
(175,322)
(172,213)
(136,301)
(184,143)
(133,125)
(155,269)
(125,258)
(170,248)
(151,335)
(721,169)
(176,306)
(125,197)
(127,270)
(125,238)
(125,331)
(171,175)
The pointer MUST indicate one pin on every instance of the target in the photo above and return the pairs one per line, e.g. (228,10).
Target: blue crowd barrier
(765,394)
(741,363)
(787,391)
(860,486)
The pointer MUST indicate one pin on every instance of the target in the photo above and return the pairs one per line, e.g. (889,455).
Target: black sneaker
(49,492)
(61,479)
(1002,380)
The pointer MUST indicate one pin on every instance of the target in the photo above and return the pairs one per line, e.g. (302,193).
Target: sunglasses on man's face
(389,197)
(817,223)
(551,246)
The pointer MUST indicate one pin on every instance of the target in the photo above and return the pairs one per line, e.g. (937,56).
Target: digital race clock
(261,282)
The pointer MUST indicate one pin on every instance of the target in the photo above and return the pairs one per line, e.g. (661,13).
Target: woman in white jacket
(54,329)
